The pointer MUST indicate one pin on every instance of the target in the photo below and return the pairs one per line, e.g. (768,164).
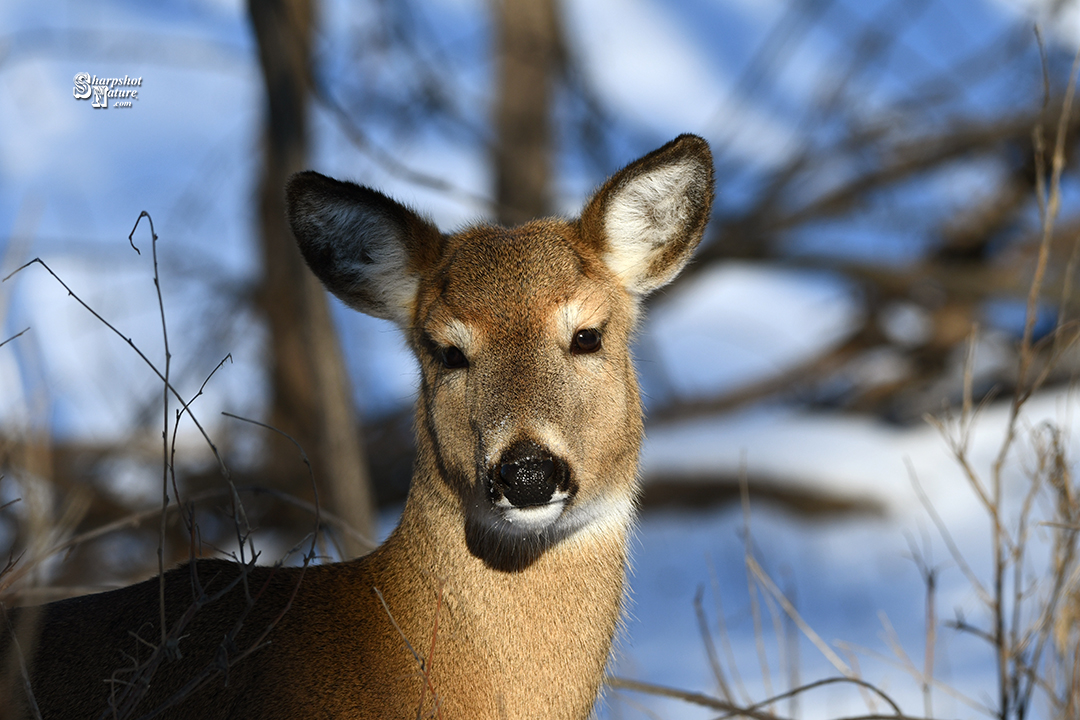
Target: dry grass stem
(762,577)
(755,609)
(938,684)
(725,638)
(710,647)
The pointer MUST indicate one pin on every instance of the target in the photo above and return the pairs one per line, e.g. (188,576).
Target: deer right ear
(365,248)
(648,217)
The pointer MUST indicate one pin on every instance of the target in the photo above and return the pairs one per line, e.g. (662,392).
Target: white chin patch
(534,518)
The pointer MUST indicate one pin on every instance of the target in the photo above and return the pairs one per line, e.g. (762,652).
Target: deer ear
(648,217)
(364,247)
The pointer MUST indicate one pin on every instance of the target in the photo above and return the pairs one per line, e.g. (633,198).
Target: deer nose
(528,474)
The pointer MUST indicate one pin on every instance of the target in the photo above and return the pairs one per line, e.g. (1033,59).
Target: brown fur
(504,622)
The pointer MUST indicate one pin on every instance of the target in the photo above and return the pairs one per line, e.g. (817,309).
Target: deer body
(500,592)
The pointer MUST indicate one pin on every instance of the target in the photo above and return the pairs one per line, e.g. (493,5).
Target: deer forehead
(530,282)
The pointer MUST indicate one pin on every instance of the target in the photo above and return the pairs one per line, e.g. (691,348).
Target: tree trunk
(312,396)
(529,53)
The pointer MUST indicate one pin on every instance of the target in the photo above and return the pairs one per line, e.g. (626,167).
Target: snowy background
(73,180)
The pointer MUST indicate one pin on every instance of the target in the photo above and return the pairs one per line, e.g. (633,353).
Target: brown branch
(802,373)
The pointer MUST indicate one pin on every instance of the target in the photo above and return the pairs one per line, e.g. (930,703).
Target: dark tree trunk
(312,396)
(529,51)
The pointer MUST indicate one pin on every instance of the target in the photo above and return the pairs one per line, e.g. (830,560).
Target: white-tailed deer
(499,593)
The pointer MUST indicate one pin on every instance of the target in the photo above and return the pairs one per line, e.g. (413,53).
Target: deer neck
(535,637)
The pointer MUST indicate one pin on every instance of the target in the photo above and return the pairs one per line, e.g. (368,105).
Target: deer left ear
(649,216)
(365,248)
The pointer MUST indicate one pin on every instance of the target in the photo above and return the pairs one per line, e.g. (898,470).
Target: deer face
(529,408)
(528,389)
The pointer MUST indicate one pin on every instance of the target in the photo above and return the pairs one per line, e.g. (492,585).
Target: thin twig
(18,334)
(725,638)
(710,647)
(755,609)
(753,711)
(943,530)
(862,684)
(813,637)
(939,684)
(126,339)
(165,423)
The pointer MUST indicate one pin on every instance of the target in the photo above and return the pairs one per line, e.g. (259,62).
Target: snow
(850,575)
(741,322)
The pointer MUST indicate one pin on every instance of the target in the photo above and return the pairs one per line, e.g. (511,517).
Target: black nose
(527,474)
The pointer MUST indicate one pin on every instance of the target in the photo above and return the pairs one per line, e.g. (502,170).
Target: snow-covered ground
(849,576)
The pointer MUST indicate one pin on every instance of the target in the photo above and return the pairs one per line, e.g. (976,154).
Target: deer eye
(452,358)
(585,341)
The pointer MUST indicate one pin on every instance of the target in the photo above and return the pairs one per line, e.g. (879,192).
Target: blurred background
(884,171)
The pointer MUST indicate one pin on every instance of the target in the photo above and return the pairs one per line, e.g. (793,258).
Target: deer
(501,591)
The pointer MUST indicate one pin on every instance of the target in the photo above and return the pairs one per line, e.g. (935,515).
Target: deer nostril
(542,470)
(528,470)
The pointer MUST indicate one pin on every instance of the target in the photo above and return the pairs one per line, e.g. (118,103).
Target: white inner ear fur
(399,293)
(358,231)
(643,216)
